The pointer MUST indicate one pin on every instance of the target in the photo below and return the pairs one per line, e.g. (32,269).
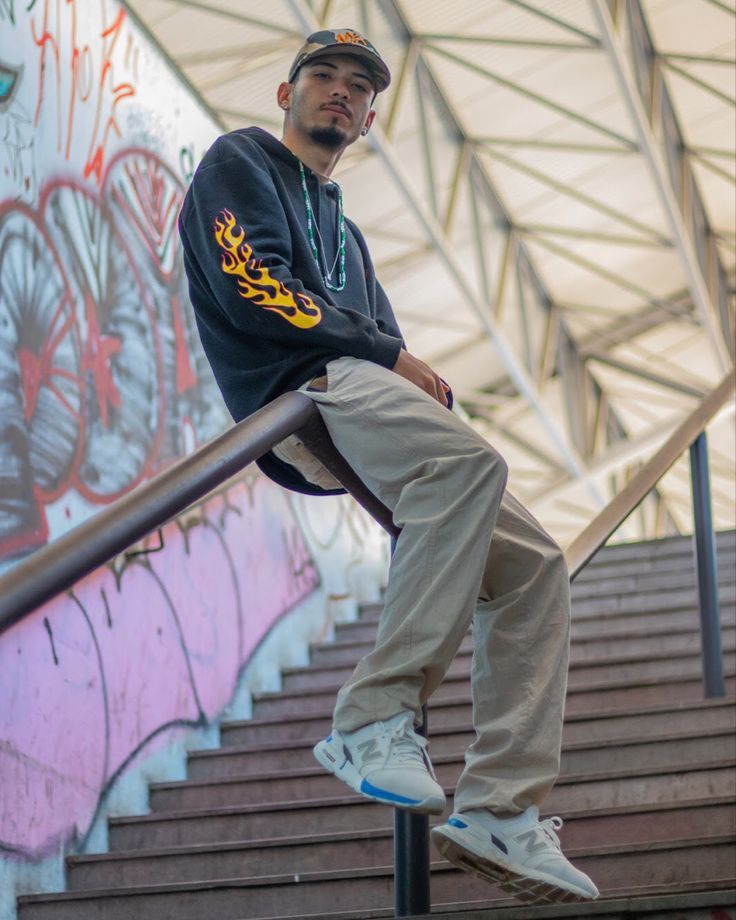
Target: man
(286,298)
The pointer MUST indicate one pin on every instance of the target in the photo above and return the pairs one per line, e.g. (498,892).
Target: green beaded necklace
(312,226)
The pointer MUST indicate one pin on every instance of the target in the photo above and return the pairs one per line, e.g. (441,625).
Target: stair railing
(689,434)
(59,565)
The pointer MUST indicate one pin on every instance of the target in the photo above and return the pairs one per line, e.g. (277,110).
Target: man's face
(330,100)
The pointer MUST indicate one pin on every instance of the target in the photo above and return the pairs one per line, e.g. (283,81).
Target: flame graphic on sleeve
(256,283)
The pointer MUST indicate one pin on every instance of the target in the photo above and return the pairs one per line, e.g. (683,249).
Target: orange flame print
(256,283)
(351,38)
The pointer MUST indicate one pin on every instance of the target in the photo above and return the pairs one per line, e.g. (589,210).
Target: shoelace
(401,745)
(549,827)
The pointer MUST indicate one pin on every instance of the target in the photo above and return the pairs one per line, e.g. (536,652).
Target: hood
(271,145)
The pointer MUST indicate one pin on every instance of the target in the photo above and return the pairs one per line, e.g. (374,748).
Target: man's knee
(489,464)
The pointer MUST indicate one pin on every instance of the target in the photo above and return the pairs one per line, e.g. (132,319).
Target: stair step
(670,865)
(612,623)
(242,760)
(631,642)
(676,599)
(656,551)
(345,849)
(340,809)
(688,905)
(649,582)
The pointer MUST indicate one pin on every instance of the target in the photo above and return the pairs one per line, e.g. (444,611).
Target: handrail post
(411,857)
(411,849)
(705,548)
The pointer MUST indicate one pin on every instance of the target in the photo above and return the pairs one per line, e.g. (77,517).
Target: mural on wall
(135,652)
(103,381)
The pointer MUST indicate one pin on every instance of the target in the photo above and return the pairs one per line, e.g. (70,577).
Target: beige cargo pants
(468,553)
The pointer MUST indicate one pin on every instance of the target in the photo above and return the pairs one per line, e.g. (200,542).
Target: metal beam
(507,42)
(696,280)
(658,379)
(544,101)
(237,17)
(697,81)
(620,216)
(554,20)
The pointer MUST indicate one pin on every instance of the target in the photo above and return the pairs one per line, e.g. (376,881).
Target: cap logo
(350,38)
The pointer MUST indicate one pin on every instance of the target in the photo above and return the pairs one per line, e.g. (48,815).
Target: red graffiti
(186,379)
(89,84)
(101,359)
(98,353)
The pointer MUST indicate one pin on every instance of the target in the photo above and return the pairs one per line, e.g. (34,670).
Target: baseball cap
(343,41)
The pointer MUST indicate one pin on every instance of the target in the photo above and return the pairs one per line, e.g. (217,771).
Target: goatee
(331,138)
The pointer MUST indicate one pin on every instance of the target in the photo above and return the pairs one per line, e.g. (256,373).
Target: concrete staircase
(258,830)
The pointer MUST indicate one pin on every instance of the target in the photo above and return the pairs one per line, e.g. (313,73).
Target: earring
(364,131)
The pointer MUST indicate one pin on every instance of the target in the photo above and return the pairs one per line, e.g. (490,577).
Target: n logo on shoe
(532,842)
(369,749)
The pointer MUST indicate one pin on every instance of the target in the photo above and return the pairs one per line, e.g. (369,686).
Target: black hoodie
(267,321)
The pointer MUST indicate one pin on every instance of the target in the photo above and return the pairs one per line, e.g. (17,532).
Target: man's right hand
(421,375)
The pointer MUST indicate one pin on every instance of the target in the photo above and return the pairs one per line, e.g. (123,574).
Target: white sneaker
(521,855)
(387,762)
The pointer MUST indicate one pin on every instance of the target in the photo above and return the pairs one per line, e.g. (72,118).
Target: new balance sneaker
(521,855)
(387,762)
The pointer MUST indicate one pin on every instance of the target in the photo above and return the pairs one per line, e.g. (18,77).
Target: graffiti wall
(102,384)
(102,378)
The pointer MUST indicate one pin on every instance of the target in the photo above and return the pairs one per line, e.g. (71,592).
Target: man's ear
(368,122)
(283,95)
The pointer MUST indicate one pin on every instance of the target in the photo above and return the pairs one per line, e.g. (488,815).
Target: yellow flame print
(256,283)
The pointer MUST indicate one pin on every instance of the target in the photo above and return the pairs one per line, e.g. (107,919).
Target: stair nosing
(654,896)
(575,716)
(660,631)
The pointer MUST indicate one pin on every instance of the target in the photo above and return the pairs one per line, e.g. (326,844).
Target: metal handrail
(60,564)
(593,537)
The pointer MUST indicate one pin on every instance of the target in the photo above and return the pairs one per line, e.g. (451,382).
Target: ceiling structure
(549,197)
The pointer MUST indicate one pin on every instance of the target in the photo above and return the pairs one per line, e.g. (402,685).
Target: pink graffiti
(91,680)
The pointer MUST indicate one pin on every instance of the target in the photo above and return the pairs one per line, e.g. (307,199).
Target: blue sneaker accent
(366,787)
(502,846)
(456,822)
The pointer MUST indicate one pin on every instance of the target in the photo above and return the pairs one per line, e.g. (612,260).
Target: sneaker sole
(354,780)
(524,887)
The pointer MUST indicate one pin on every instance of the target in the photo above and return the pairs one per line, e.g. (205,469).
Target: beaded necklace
(312,227)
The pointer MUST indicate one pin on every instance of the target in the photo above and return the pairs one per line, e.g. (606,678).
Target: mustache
(336,105)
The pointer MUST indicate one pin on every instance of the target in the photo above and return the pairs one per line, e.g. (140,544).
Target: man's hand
(422,375)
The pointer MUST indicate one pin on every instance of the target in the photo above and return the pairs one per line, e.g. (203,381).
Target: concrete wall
(103,383)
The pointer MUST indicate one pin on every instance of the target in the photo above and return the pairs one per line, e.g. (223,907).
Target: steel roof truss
(694,244)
